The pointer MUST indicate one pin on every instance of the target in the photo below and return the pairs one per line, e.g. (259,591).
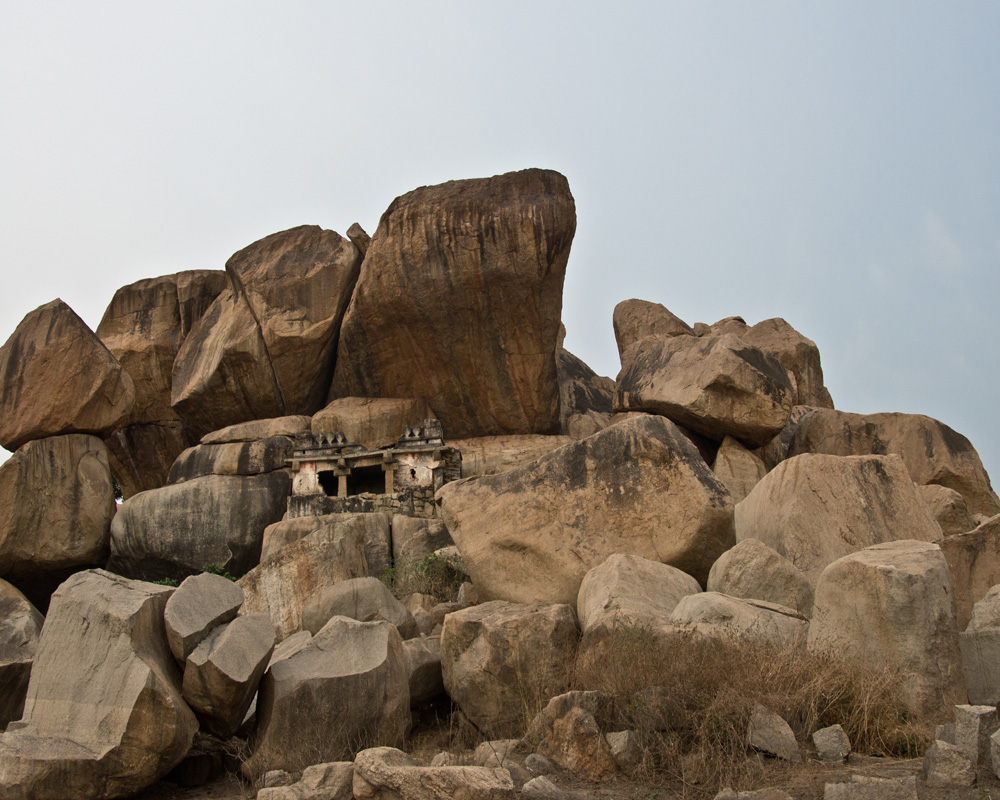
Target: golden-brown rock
(371,421)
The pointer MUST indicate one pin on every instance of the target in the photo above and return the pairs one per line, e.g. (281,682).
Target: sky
(834,164)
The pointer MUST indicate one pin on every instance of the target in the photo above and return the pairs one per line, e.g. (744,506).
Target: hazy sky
(835,164)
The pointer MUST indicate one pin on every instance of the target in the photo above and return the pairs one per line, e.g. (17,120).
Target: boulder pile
(710,493)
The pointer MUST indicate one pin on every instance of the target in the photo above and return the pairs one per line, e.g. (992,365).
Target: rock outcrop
(474,330)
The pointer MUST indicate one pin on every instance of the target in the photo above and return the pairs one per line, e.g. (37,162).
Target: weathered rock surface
(362,599)
(754,571)
(530,534)
(974,725)
(891,606)
(863,787)
(832,744)
(799,355)
(376,528)
(20,626)
(233,458)
(56,505)
(331,781)
(980,645)
(265,347)
(177,530)
(258,429)
(813,509)
(931,451)
(738,468)
(385,773)
(577,744)
(948,507)
(201,603)
(221,675)
(414,538)
(490,455)
(717,386)
(103,717)
(945,765)
(57,377)
(974,563)
(769,733)
(287,578)
(474,330)
(501,660)
(635,320)
(347,686)
(584,397)
(373,422)
(143,328)
(719,616)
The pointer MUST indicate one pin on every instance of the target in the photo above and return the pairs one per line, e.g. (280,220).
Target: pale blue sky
(834,164)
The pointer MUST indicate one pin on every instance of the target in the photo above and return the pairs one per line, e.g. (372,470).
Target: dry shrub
(690,698)
(436,575)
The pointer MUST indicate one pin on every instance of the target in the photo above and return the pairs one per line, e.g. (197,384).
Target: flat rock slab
(384,772)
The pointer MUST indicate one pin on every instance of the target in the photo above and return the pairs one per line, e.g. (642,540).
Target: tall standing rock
(265,346)
(530,534)
(459,303)
(57,377)
(143,327)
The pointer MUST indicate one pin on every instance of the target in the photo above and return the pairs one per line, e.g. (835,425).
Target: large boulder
(738,468)
(232,458)
(502,662)
(372,422)
(891,606)
(635,320)
(287,578)
(20,626)
(178,530)
(363,599)
(931,451)
(200,604)
(717,386)
(974,563)
(640,487)
(813,509)
(490,455)
(104,716)
(459,303)
(143,327)
(345,689)
(56,504)
(799,355)
(754,571)
(57,377)
(375,525)
(257,429)
(265,347)
(719,616)
(948,507)
(585,398)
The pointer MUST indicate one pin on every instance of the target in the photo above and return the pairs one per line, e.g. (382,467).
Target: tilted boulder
(754,571)
(502,660)
(813,509)
(799,355)
(974,563)
(265,347)
(20,626)
(257,429)
(143,327)
(459,302)
(200,604)
(491,455)
(221,675)
(363,599)
(717,386)
(57,377)
(635,320)
(719,616)
(891,606)
(178,530)
(381,773)
(56,505)
(346,687)
(284,582)
(738,468)
(530,534)
(104,716)
(234,458)
(931,451)
(372,422)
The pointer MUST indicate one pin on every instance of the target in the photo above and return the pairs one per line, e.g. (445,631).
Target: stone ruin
(332,475)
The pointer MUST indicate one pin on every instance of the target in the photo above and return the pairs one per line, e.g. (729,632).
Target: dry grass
(691,698)
(439,576)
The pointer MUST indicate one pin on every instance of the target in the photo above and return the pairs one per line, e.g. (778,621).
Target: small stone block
(832,744)
(948,765)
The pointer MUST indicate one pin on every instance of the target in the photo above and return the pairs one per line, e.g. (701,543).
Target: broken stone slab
(346,686)
(221,675)
(384,772)
(832,744)
(57,377)
(769,733)
(576,743)
(974,725)
(862,787)
(754,571)
(363,599)
(502,660)
(330,781)
(103,717)
(200,603)
(947,765)
(20,626)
